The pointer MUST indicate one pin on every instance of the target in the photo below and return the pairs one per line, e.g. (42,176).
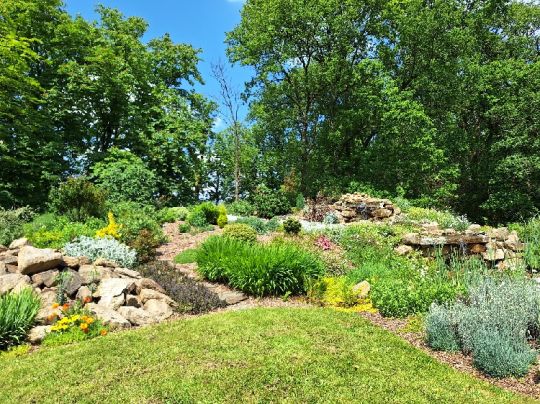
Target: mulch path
(527,385)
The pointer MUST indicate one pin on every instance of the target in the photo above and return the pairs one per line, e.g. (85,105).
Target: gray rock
(109,316)
(34,260)
(37,334)
(47,278)
(19,243)
(136,316)
(158,309)
(75,282)
(13,282)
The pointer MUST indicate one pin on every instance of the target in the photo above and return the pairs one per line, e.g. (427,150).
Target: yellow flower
(84,326)
(55,305)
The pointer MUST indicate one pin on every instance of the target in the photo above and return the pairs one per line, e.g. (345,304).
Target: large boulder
(19,243)
(93,274)
(109,316)
(38,334)
(33,260)
(150,294)
(147,283)
(74,283)
(136,316)
(112,292)
(13,282)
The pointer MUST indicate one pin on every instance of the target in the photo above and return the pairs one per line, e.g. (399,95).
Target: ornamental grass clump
(17,315)
(107,248)
(494,324)
(258,269)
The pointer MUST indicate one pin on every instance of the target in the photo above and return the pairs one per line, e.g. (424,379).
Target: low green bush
(78,199)
(171,215)
(11,224)
(52,231)
(186,257)
(184,228)
(241,208)
(493,324)
(17,314)
(261,226)
(208,210)
(269,203)
(222,221)
(292,226)
(241,232)
(257,269)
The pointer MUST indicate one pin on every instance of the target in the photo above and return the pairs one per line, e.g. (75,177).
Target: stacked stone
(119,297)
(356,207)
(498,246)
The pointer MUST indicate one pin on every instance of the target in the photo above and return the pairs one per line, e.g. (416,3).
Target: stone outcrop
(119,297)
(498,246)
(357,207)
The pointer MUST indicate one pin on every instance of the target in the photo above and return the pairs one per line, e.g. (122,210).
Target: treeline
(74,93)
(434,100)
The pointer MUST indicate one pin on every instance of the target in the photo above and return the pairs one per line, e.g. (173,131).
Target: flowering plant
(111,230)
(324,243)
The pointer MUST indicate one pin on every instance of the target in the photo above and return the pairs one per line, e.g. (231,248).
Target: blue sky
(201,23)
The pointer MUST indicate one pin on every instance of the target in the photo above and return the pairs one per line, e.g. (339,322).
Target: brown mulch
(527,385)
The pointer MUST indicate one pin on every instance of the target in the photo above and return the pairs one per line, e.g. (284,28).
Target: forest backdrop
(436,101)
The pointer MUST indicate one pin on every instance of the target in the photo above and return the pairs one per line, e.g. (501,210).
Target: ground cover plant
(191,297)
(309,355)
(277,269)
(18,311)
(107,248)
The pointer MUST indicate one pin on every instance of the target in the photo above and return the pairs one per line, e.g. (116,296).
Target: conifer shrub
(241,232)
(269,203)
(78,199)
(292,226)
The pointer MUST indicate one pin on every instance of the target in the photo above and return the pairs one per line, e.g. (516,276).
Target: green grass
(259,355)
(186,256)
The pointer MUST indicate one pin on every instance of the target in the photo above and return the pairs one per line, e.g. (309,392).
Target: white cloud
(219,124)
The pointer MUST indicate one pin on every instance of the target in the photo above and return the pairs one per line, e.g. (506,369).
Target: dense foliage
(277,269)
(17,314)
(107,248)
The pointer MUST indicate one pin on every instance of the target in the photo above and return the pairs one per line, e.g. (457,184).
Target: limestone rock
(126,273)
(9,259)
(381,213)
(136,316)
(513,243)
(19,243)
(147,283)
(71,262)
(83,293)
(477,248)
(3,268)
(34,260)
(499,234)
(158,309)
(47,278)
(112,302)
(92,273)
(149,294)
(114,287)
(493,255)
(133,301)
(37,334)
(362,289)
(74,283)
(103,262)
(403,249)
(475,228)
(109,316)
(13,282)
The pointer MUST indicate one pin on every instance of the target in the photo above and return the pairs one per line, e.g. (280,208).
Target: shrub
(78,199)
(171,215)
(184,228)
(336,292)
(145,244)
(11,223)
(292,226)
(530,233)
(269,203)
(259,270)
(111,230)
(125,177)
(190,295)
(300,202)
(331,218)
(441,329)
(17,314)
(241,208)
(107,248)
(210,211)
(258,224)
(52,231)
(493,324)
(222,221)
(197,218)
(240,232)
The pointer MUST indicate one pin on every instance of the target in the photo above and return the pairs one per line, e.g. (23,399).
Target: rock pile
(119,297)
(499,246)
(356,207)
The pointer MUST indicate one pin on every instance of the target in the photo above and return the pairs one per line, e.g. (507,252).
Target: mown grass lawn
(258,355)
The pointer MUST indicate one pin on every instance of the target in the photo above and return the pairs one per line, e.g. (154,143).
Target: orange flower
(84,327)
(65,306)
(89,320)
(51,317)
(103,333)
(55,305)
(87,299)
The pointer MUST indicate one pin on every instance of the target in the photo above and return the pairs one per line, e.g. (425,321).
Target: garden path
(236,300)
